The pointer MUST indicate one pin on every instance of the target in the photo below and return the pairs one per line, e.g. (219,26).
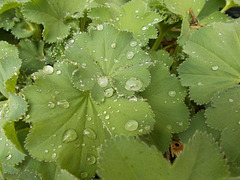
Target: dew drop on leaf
(214,68)
(91,160)
(131,125)
(107,117)
(51,105)
(108,92)
(63,103)
(46,151)
(58,72)
(230,100)
(54,155)
(84,174)
(133,84)
(99,27)
(90,133)
(169,127)
(133,43)
(103,81)
(9,157)
(69,136)
(172,93)
(48,69)
(130,55)
(113,45)
(147,128)
(199,84)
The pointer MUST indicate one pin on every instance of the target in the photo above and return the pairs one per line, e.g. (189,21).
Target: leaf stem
(228,5)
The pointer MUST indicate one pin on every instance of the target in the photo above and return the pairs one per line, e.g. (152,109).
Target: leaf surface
(78,125)
(213,64)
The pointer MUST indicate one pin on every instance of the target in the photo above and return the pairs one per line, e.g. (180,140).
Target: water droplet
(69,136)
(108,92)
(180,123)
(144,28)
(133,84)
(133,43)
(58,72)
(172,93)
(130,55)
(46,151)
(137,11)
(113,45)
(219,33)
(51,105)
(239,122)
(199,84)
(91,160)
(173,7)
(84,174)
(230,100)
(214,68)
(9,157)
(99,27)
(147,128)
(63,103)
(103,81)
(48,69)
(90,133)
(169,127)
(107,117)
(131,125)
(54,155)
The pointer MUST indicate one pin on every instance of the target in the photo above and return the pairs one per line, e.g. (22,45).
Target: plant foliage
(122,89)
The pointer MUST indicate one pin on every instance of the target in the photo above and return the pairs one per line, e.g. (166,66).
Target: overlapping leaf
(126,158)
(224,115)
(50,13)
(78,125)
(133,16)
(166,95)
(9,4)
(214,63)
(108,60)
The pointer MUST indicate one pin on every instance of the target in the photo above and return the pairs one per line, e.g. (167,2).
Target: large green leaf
(53,15)
(134,16)
(129,158)
(214,61)
(9,66)
(200,160)
(224,115)
(78,125)
(108,60)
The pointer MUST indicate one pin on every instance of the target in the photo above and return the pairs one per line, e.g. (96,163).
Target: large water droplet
(108,92)
(103,81)
(133,84)
(90,133)
(133,43)
(51,105)
(63,103)
(214,68)
(131,125)
(113,45)
(48,69)
(84,174)
(130,55)
(69,136)
(172,93)
(99,27)
(91,160)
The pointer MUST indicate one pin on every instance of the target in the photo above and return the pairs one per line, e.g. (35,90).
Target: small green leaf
(182,7)
(9,66)
(107,59)
(162,56)
(215,17)
(129,158)
(200,159)
(134,16)
(7,19)
(214,65)
(23,29)
(9,4)
(224,115)
(78,125)
(50,13)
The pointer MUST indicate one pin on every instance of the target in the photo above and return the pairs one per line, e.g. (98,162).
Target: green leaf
(108,60)
(50,13)
(198,123)
(182,7)
(186,32)
(166,95)
(162,56)
(224,115)
(7,19)
(134,16)
(32,55)
(23,29)
(9,4)
(213,64)
(78,125)
(200,159)
(9,66)
(215,17)
(129,158)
